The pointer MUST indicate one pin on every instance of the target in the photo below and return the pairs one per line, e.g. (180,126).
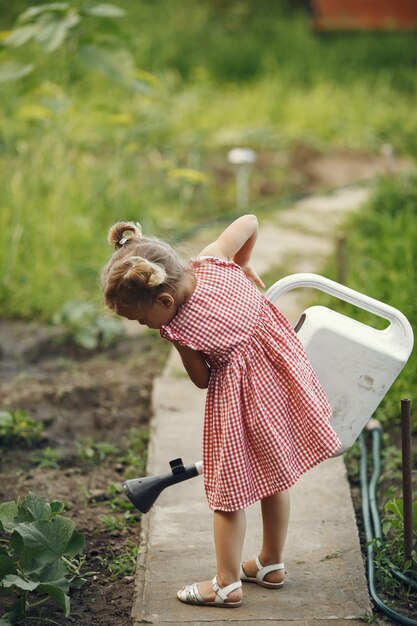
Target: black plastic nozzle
(142,492)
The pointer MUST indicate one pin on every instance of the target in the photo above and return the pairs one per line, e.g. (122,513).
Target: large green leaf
(11,71)
(58,595)
(75,544)
(55,574)
(56,591)
(44,542)
(36,507)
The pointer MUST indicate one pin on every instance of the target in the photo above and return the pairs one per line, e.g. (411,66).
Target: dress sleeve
(172,335)
(167,333)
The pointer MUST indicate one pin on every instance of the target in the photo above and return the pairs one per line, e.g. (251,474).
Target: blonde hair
(140,269)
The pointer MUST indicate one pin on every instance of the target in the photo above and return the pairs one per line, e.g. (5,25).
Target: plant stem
(71,566)
(44,619)
(38,603)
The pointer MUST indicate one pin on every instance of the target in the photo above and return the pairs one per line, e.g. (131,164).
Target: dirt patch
(95,410)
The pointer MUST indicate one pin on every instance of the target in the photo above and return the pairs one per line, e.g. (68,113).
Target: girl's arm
(236,244)
(195,365)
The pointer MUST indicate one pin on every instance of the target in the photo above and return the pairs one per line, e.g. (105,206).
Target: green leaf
(55,574)
(17,581)
(56,508)
(396,507)
(44,542)
(53,31)
(10,71)
(8,513)
(52,35)
(58,595)
(75,544)
(32,12)
(20,36)
(39,509)
(105,10)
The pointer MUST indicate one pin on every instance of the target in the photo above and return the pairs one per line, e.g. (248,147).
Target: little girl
(266,418)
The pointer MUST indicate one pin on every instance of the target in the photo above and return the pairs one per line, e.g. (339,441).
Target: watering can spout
(143,492)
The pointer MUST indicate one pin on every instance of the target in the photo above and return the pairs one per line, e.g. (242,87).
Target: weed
(123,563)
(48,458)
(368,619)
(393,528)
(18,429)
(92,451)
(113,522)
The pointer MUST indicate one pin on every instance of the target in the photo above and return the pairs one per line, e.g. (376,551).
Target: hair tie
(122,241)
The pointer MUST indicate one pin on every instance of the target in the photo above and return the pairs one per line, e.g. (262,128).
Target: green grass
(79,150)
(381,262)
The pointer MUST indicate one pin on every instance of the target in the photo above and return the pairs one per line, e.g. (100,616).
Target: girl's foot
(273,578)
(206,590)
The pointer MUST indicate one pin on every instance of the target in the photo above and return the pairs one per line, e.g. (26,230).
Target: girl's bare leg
(229,534)
(275,516)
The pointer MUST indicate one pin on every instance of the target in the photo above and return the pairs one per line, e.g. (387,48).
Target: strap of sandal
(192,594)
(264,571)
(223,592)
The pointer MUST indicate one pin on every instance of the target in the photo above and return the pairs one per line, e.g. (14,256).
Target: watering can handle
(399,329)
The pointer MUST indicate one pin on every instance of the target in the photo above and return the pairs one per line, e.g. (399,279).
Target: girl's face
(154,315)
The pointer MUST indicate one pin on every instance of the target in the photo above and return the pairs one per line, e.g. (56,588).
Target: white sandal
(191,595)
(261,573)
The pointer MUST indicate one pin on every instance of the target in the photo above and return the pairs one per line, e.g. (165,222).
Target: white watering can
(356,365)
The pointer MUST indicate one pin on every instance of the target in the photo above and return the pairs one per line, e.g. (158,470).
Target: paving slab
(326,580)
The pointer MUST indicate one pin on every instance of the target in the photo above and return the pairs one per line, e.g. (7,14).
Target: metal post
(407,485)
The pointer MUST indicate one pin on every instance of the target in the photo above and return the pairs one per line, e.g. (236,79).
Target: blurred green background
(127,111)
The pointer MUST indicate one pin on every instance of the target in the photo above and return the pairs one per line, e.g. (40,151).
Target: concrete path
(326,580)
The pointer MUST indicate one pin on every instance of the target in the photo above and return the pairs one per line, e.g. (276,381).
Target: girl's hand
(252,275)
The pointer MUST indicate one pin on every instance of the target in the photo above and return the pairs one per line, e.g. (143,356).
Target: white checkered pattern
(267,417)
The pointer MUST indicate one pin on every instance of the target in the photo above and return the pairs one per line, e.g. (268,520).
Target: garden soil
(80,397)
(84,397)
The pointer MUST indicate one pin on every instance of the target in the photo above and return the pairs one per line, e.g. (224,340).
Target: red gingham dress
(266,417)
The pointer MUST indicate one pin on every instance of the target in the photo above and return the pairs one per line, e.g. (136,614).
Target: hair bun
(144,272)
(124,232)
